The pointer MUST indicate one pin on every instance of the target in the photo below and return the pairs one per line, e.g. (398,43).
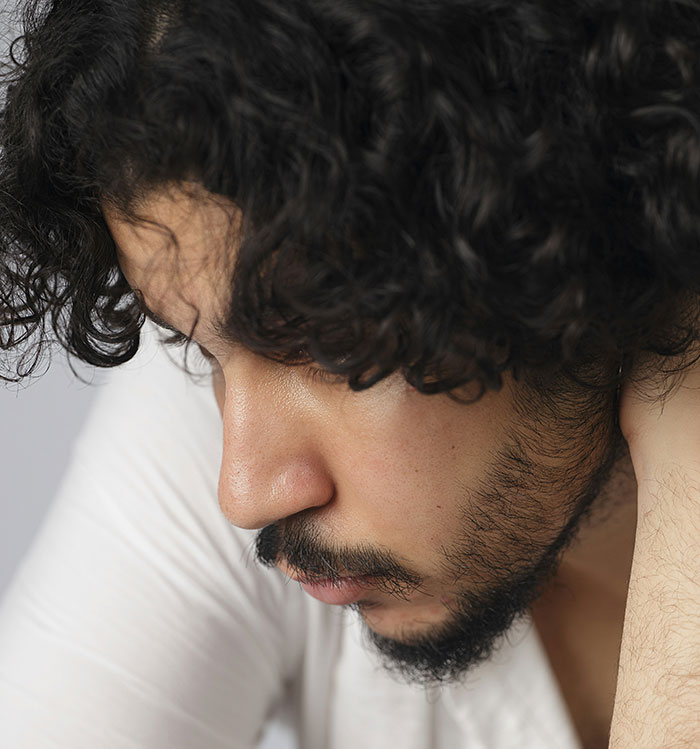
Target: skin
(426,494)
(657,702)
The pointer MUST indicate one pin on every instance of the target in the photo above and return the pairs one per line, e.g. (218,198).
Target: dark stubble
(540,489)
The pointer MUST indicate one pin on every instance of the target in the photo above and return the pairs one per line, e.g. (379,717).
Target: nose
(272,463)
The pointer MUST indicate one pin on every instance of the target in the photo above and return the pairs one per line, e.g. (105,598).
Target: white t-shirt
(140,620)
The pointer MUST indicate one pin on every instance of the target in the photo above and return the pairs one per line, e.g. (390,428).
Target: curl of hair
(447,189)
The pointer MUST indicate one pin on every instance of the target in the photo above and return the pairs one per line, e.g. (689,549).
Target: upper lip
(311,579)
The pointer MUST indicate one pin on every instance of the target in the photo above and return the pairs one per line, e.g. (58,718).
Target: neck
(579,616)
(601,555)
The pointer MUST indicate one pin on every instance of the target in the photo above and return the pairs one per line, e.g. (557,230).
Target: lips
(338,592)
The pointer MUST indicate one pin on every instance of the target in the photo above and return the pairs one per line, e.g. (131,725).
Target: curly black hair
(446,188)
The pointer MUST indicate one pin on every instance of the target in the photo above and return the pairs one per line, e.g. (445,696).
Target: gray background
(40,419)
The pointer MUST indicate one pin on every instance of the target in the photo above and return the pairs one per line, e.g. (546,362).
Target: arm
(657,703)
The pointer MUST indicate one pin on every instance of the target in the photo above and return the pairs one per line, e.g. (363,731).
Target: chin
(403,621)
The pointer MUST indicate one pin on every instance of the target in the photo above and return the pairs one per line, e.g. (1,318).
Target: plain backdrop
(39,420)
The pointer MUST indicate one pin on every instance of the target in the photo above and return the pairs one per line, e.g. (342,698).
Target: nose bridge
(272,462)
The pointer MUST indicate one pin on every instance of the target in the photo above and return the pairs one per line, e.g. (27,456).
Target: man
(434,255)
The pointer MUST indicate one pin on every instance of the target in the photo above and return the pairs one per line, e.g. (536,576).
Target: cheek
(407,474)
(406,498)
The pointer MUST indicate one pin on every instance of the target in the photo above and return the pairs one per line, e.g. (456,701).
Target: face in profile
(436,521)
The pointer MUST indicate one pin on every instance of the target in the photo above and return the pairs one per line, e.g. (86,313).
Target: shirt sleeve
(139,617)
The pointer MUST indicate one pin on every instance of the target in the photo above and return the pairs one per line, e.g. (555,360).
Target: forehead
(179,252)
(184,225)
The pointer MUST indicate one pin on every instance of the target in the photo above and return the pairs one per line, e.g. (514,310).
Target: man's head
(458,512)
(466,214)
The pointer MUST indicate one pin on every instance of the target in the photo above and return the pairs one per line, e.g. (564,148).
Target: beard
(538,492)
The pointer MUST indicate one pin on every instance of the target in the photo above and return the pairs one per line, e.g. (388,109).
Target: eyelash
(315,374)
(179,339)
(175,339)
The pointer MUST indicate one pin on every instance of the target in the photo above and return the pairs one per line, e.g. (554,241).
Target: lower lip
(340,593)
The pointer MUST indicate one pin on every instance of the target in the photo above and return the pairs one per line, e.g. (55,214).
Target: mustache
(298,543)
